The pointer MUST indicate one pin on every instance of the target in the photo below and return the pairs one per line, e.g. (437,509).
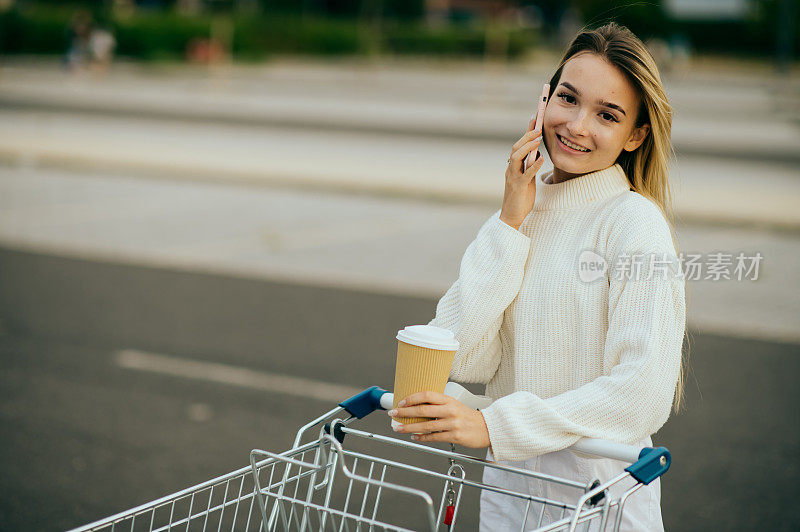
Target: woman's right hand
(520,191)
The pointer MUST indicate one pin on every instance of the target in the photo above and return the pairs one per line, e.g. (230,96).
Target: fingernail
(402,403)
(398,428)
(392,413)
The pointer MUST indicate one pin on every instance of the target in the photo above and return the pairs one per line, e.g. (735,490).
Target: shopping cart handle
(366,402)
(454,390)
(375,397)
(647,463)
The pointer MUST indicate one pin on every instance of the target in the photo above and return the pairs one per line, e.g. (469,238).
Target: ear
(637,137)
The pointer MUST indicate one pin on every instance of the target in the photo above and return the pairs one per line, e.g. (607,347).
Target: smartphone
(539,122)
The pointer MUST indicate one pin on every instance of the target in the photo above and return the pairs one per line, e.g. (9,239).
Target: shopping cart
(316,485)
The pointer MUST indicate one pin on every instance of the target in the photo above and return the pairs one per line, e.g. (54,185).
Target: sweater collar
(580,190)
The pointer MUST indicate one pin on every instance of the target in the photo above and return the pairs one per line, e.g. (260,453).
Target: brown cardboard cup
(425,356)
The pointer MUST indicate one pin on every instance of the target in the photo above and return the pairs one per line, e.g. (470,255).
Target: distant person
(101,49)
(78,36)
(565,355)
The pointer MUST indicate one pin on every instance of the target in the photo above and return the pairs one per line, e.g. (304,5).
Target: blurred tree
(342,8)
(154,4)
(551,12)
(404,9)
(289,6)
(645,19)
(392,9)
(370,22)
(73,3)
(785,35)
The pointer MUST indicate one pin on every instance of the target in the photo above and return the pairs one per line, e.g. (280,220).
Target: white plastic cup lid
(429,336)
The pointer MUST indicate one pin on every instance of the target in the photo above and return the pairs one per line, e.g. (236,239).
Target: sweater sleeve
(646,325)
(489,279)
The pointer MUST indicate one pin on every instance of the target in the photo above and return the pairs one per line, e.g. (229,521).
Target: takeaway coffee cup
(425,356)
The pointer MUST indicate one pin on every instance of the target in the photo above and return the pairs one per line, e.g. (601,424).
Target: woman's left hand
(457,423)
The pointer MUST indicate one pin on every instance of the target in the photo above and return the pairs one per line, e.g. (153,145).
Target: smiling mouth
(571,145)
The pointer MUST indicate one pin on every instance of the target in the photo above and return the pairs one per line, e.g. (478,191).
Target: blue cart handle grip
(366,402)
(653,462)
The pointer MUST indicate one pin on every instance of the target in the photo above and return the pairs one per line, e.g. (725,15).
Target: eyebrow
(601,102)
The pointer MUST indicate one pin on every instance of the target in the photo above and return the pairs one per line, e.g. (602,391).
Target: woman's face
(594,107)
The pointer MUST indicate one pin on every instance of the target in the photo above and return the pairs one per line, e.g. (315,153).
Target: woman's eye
(608,116)
(568,98)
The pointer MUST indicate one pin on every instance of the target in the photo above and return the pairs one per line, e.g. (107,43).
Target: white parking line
(232,375)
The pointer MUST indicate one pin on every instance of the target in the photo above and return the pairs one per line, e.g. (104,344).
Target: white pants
(642,511)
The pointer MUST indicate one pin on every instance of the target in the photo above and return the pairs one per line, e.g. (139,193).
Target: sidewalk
(737,139)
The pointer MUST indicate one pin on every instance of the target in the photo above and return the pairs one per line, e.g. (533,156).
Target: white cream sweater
(564,357)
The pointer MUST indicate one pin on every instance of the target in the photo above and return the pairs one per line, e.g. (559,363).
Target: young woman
(564,354)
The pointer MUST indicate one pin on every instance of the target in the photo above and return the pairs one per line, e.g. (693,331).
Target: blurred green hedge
(43,31)
(163,35)
(41,27)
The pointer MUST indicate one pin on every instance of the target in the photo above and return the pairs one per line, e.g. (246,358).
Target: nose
(577,126)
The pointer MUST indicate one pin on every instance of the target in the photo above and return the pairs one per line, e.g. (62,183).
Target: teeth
(571,145)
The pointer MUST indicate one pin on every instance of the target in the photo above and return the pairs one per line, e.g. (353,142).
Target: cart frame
(291,500)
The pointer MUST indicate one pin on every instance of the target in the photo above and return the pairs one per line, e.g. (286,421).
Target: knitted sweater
(564,356)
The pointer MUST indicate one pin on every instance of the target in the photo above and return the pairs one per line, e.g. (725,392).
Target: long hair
(646,167)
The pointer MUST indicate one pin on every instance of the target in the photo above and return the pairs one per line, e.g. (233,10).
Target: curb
(720,148)
(695,211)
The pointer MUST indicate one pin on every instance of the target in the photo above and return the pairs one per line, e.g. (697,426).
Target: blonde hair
(646,167)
